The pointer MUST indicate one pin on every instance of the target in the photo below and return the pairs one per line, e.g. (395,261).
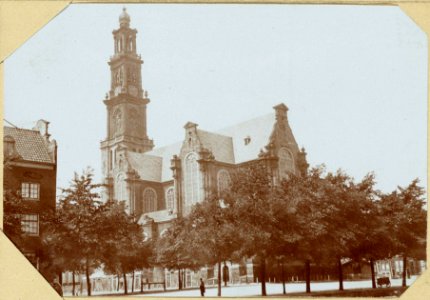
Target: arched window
(223,180)
(120,188)
(286,162)
(149,200)
(192,179)
(170,199)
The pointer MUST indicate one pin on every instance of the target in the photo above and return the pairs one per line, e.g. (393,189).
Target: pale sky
(354,78)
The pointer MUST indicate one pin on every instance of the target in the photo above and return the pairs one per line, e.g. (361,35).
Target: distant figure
(225,274)
(57,287)
(202,288)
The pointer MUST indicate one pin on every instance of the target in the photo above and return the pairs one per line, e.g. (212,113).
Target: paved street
(272,288)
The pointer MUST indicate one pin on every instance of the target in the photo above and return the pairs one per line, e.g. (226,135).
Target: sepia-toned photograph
(229,150)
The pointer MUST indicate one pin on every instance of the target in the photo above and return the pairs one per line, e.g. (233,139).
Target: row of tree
(315,218)
(318,217)
(82,234)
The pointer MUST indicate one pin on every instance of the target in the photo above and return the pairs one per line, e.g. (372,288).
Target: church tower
(126,101)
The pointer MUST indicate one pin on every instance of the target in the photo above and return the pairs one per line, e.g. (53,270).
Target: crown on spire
(124,18)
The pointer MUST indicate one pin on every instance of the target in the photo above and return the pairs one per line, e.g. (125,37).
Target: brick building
(160,184)
(31,169)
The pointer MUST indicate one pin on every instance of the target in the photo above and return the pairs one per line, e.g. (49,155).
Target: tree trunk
(284,291)
(60,278)
(124,275)
(179,279)
(132,283)
(141,281)
(308,275)
(263,275)
(219,279)
(87,274)
(117,286)
(372,270)
(73,283)
(405,259)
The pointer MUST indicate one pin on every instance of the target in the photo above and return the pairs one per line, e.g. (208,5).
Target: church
(159,184)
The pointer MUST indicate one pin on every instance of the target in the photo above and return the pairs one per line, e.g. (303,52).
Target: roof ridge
(217,132)
(246,121)
(23,129)
(214,133)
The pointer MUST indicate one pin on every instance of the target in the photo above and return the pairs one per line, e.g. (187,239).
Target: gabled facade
(30,167)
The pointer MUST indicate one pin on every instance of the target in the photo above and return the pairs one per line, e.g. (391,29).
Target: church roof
(220,145)
(227,145)
(148,167)
(166,153)
(258,130)
(29,144)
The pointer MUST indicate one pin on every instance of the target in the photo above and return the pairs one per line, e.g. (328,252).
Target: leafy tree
(310,208)
(345,210)
(13,207)
(251,202)
(404,215)
(213,231)
(76,234)
(286,235)
(374,237)
(13,204)
(124,249)
(173,249)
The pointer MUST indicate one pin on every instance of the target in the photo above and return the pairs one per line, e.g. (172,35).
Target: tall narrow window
(192,179)
(120,188)
(113,158)
(170,199)
(223,180)
(30,224)
(117,115)
(149,200)
(30,191)
(286,162)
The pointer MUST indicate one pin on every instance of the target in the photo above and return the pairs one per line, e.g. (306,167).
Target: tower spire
(126,101)
(124,18)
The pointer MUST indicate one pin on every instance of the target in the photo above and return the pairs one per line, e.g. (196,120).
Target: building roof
(166,153)
(29,144)
(148,167)
(221,146)
(258,130)
(227,145)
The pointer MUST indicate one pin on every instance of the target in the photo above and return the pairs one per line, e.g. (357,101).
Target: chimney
(42,127)
(190,131)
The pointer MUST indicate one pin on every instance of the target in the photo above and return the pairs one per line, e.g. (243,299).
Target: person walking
(225,274)
(202,287)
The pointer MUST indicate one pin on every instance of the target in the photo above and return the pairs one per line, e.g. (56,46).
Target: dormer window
(247,140)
